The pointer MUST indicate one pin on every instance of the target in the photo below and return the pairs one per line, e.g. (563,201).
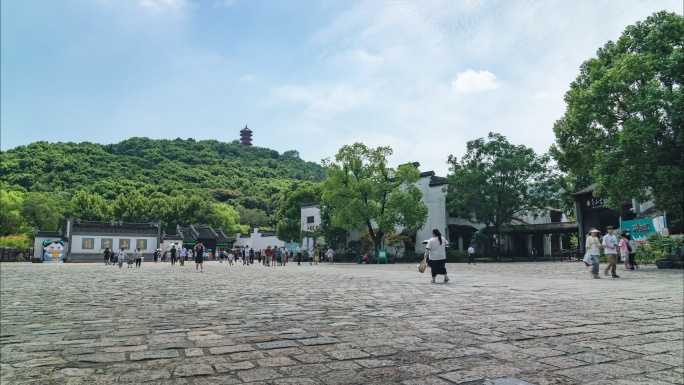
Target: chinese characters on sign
(124,243)
(106,243)
(141,244)
(88,243)
(595,202)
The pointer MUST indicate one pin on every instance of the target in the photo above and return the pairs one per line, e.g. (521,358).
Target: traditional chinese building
(212,239)
(246,136)
(86,240)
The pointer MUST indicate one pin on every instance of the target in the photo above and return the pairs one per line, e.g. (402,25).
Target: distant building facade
(257,240)
(188,237)
(86,240)
(545,233)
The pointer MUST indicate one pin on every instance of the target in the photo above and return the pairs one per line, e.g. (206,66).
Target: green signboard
(382,255)
(641,228)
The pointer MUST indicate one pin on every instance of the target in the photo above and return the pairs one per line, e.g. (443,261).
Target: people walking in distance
(120,257)
(267,256)
(592,247)
(252,254)
(138,257)
(182,255)
(299,255)
(313,256)
(623,247)
(191,254)
(106,256)
(611,250)
(155,256)
(232,256)
(331,254)
(317,255)
(274,256)
(632,245)
(436,250)
(310,254)
(131,260)
(279,256)
(199,258)
(471,255)
(534,254)
(174,254)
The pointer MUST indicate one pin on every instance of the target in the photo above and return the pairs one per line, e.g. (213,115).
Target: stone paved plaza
(546,323)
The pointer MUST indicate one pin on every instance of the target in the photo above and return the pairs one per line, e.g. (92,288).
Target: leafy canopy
(622,128)
(496,181)
(365,193)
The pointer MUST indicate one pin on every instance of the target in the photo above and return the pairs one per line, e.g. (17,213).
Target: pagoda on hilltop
(246,136)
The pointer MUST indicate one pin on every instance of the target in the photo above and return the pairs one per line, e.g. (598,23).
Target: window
(309,219)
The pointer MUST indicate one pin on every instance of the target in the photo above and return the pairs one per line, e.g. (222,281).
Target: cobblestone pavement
(546,323)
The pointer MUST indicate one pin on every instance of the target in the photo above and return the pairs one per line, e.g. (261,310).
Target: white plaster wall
(77,242)
(257,241)
(435,200)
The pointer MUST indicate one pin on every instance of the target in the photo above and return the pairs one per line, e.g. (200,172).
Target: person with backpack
(628,251)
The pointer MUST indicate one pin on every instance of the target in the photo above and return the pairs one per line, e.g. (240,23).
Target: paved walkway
(546,323)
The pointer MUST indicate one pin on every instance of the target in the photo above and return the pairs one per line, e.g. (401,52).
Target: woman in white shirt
(592,248)
(436,251)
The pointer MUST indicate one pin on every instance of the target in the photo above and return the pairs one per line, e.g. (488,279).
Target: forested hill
(177,172)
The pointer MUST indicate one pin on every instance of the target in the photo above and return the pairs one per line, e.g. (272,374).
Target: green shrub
(658,247)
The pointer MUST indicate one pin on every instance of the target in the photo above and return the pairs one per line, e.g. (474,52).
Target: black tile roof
(47,234)
(544,228)
(437,181)
(204,232)
(585,190)
(651,213)
(79,226)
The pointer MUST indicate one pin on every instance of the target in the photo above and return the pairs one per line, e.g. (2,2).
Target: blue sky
(423,77)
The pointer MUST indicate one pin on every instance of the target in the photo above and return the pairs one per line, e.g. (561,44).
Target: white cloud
(472,81)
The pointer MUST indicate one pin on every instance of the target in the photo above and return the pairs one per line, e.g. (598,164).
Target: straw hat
(594,231)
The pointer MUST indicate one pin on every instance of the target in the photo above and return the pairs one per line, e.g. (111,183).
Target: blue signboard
(292,246)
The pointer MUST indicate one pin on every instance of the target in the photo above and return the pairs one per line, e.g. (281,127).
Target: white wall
(435,200)
(77,243)
(257,241)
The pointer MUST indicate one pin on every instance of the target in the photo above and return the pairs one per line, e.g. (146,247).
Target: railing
(12,254)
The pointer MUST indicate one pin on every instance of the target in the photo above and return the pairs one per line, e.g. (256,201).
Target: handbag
(588,260)
(422,266)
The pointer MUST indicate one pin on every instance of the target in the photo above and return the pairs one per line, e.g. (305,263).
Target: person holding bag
(436,250)
(591,247)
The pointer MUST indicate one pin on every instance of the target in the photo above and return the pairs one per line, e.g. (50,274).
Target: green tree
(225,217)
(622,128)
(11,219)
(496,180)
(366,193)
(42,211)
(90,207)
(333,235)
(289,226)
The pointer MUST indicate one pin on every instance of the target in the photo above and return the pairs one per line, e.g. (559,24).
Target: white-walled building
(87,240)
(542,233)
(257,240)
